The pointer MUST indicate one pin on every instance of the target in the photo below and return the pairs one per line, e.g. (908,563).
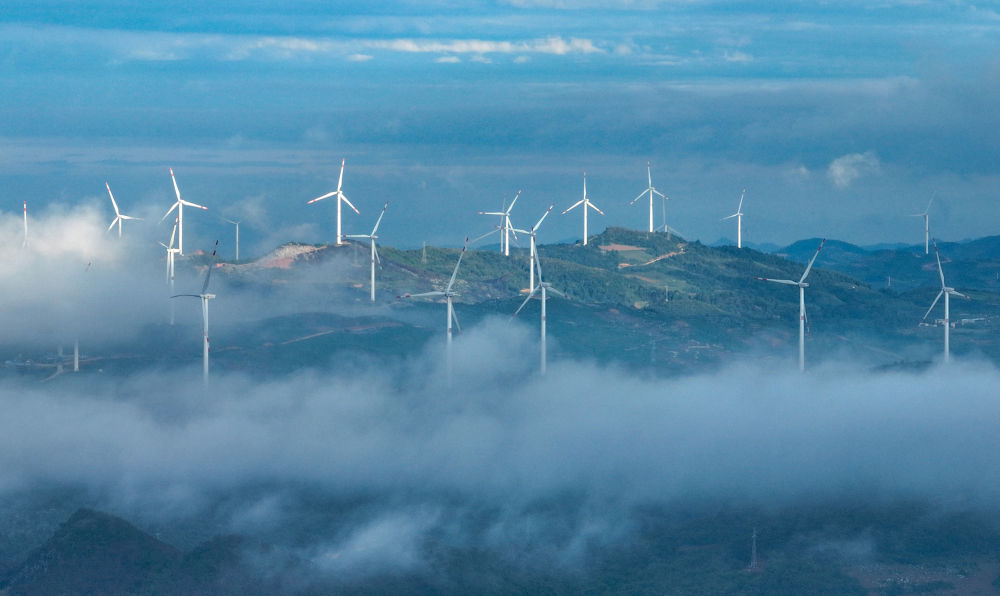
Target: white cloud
(550,45)
(742,57)
(360,57)
(848,168)
(448,60)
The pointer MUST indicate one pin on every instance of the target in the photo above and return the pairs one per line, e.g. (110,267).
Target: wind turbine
(927,224)
(739,220)
(448,293)
(237,224)
(119,216)
(545,287)
(341,197)
(652,191)
(802,285)
(505,225)
(171,251)
(534,249)
(179,206)
(205,297)
(585,201)
(372,237)
(947,292)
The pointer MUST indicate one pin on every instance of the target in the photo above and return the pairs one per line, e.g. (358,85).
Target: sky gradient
(839,118)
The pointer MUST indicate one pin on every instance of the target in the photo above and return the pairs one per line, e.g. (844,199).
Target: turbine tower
(739,220)
(505,225)
(179,206)
(652,191)
(927,225)
(341,198)
(947,292)
(534,248)
(205,297)
(585,201)
(374,251)
(448,293)
(802,285)
(119,216)
(545,287)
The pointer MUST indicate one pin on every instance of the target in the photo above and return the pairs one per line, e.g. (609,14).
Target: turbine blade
(530,295)
(574,206)
(172,207)
(812,260)
(340,181)
(544,215)
(787,282)
(173,233)
(555,291)
(665,197)
(511,206)
(422,295)
(933,304)
(113,203)
(343,197)
(113,222)
(379,220)
(455,272)
(641,194)
(326,196)
(454,317)
(177,191)
(938,257)
(190,204)
(378,259)
(742,194)
(594,207)
(493,231)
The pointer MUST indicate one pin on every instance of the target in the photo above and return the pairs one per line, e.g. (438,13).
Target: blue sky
(840,118)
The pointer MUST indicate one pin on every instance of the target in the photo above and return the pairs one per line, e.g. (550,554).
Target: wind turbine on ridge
(545,287)
(652,191)
(341,198)
(119,216)
(205,297)
(739,220)
(448,293)
(374,251)
(927,224)
(179,206)
(585,201)
(947,292)
(802,285)
(505,226)
(534,249)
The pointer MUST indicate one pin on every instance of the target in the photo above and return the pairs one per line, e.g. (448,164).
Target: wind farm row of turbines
(536,286)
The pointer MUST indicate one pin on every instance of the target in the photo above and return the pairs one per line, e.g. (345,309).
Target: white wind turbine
(739,220)
(802,285)
(374,251)
(652,191)
(341,197)
(237,224)
(927,225)
(179,206)
(505,225)
(585,201)
(534,249)
(171,252)
(448,293)
(947,292)
(545,287)
(205,297)
(119,216)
